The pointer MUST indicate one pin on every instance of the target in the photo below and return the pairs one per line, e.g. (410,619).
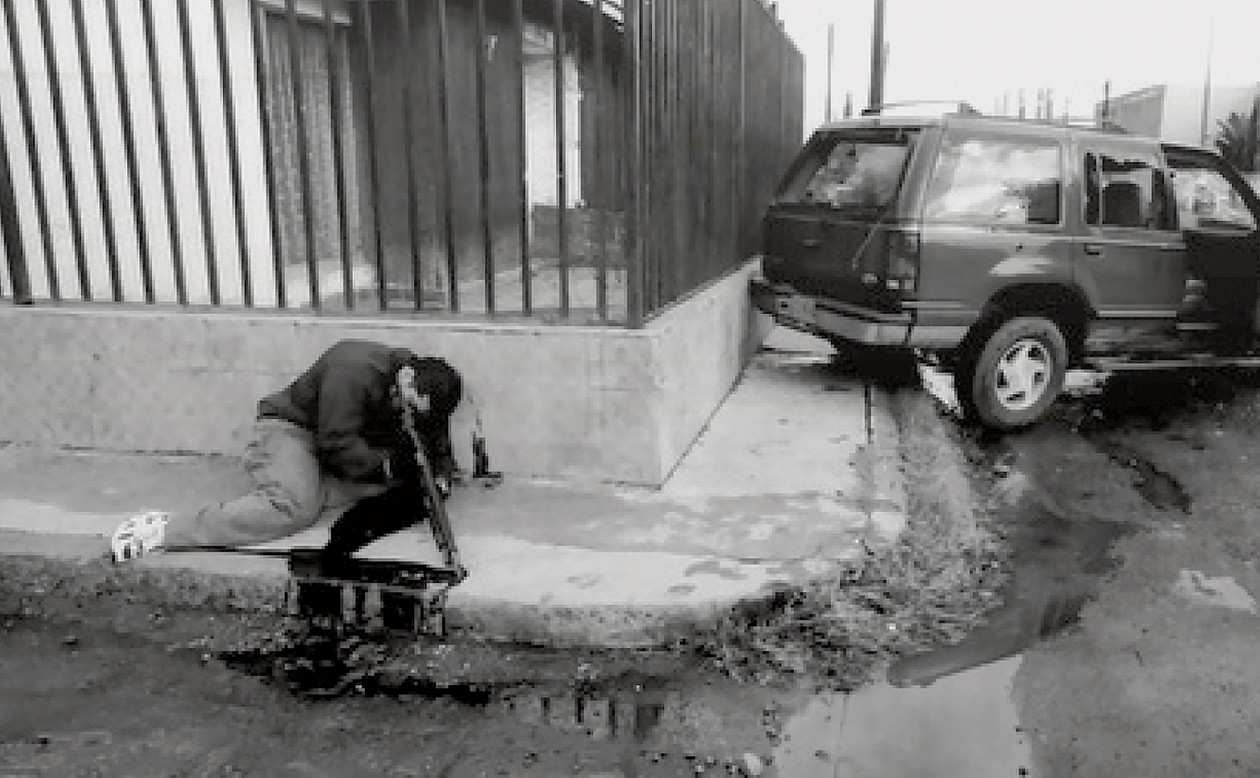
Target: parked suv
(1010,250)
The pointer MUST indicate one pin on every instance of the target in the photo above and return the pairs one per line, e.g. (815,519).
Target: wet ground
(1122,643)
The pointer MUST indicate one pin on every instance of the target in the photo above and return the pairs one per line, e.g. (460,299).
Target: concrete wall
(578,403)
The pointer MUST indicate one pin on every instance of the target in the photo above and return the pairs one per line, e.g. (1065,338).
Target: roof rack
(1078,122)
(960,106)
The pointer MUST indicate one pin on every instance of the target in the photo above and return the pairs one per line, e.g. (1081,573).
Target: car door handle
(1093,250)
(811,243)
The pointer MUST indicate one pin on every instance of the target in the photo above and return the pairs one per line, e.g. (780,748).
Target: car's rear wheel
(1011,380)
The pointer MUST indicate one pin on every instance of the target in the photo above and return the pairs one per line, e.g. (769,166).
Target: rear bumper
(830,318)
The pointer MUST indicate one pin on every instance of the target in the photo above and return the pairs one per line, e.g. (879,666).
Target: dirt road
(1124,645)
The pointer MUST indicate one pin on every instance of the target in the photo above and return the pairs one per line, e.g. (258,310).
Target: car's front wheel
(1011,380)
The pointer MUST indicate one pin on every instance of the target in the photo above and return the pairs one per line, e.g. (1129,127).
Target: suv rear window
(1002,180)
(860,169)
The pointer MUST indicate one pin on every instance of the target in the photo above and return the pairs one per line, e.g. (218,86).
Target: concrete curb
(889,503)
(589,569)
(73,565)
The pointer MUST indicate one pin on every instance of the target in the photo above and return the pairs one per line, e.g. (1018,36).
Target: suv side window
(996,180)
(1205,198)
(862,171)
(1126,189)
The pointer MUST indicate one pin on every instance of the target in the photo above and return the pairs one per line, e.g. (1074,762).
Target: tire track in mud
(1059,552)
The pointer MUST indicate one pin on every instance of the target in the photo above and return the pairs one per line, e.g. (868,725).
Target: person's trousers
(290,492)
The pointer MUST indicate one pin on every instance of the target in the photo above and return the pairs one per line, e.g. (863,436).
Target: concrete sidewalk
(794,471)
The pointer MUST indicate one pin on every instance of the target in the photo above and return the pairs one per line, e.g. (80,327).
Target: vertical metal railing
(234,154)
(367,40)
(98,154)
(585,161)
(258,36)
(69,175)
(332,49)
(522,134)
(193,94)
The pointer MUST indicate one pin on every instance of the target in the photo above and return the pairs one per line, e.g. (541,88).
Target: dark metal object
(373,594)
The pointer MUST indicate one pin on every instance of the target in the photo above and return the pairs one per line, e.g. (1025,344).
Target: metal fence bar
(104,201)
(11,231)
(164,152)
(483,139)
(719,259)
(682,54)
(333,53)
(522,149)
(129,151)
(68,177)
(32,149)
(741,119)
(662,148)
(256,21)
(448,174)
(562,194)
(303,149)
(598,143)
(374,175)
(634,137)
(651,160)
(233,151)
(193,94)
(401,8)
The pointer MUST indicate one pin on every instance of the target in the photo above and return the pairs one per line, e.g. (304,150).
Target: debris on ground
(930,587)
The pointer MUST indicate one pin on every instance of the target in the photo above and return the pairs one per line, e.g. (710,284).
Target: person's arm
(343,397)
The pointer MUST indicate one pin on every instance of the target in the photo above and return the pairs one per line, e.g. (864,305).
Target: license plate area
(798,308)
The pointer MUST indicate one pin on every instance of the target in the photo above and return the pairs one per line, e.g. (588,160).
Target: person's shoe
(139,535)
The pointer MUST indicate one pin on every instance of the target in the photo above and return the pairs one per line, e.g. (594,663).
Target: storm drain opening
(325,660)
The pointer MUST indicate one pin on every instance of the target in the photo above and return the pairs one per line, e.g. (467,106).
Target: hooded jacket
(344,400)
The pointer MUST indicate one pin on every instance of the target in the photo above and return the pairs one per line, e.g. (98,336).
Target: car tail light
(903,260)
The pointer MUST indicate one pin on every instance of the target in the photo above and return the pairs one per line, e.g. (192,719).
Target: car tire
(1011,379)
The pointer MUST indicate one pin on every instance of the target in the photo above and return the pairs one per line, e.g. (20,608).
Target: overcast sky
(976,50)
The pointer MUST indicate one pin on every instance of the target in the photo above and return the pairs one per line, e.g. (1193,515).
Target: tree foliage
(1238,138)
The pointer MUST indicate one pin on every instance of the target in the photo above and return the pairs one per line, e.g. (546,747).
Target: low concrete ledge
(582,403)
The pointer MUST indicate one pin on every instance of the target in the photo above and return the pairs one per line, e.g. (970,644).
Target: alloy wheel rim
(1022,375)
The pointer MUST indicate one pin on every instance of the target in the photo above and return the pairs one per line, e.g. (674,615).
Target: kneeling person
(337,427)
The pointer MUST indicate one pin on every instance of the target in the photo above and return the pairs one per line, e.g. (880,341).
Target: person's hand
(400,467)
(443,484)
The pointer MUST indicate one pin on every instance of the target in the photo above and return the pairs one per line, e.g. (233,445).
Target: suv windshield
(852,171)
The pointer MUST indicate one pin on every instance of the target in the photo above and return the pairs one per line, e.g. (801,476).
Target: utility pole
(877,58)
(831,55)
(1204,135)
